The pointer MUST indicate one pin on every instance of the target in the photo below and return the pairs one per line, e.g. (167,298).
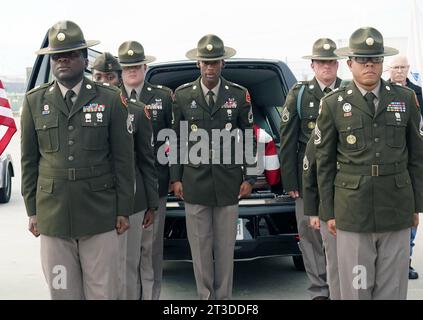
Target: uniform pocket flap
(101,183)
(45,185)
(347,181)
(402,180)
(47,122)
(350,124)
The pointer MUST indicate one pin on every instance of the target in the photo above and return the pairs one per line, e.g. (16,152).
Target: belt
(74,174)
(373,170)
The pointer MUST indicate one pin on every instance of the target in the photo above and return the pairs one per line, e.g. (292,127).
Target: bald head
(398,69)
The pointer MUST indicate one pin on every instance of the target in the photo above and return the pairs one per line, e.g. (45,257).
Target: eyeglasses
(364,60)
(400,68)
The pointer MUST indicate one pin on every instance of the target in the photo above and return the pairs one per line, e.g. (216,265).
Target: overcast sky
(167,29)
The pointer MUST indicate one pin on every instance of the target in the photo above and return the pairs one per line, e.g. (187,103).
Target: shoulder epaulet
(398,85)
(236,85)
(184,86)
(164,88)
(40,87)
(108,86)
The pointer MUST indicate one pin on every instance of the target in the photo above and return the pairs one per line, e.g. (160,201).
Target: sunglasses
(364,60)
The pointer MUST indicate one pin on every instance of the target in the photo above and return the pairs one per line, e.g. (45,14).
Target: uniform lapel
(55,98)
(338,82)
(385,97)
(146,95)
(222,97)
(198,96)
(354,97)
(316,91)
(87,93)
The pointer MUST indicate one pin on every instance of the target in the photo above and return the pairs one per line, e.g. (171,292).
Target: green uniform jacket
(159,102)
(310,189)
(295,132)
(211,184)
(352,144)
(146,195)
(77,168)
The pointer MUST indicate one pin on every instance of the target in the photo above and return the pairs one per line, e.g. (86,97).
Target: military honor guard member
(107,69)
(77,171)
(158,100)
(299,116)
(369,151)
(211,189)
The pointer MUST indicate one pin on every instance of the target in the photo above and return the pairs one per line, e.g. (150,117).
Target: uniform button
(375,125)
(376,139)
(70,142)
(70,158)
(344,184)
(211,118)
(348,128)
(377,154)
(44,127)
(70,128)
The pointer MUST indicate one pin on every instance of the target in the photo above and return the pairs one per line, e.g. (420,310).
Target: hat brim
(148,59)
(88,43)
(334,57)
(193,55)
(347,52)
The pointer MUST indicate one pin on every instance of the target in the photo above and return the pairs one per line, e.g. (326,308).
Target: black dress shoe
(320,298)
(412,274)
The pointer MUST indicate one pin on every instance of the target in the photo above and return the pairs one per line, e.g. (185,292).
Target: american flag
(7,123)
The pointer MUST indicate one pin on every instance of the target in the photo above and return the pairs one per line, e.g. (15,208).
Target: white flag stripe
(263,136)
(271,162)
(3,93)
(415,45)
(3,130)
(6,112)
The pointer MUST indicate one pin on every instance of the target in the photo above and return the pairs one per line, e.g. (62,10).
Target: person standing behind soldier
(107,70)
(311,208)
(77,171)
(398,71)
(158,100)
(211,189)
(369,151)
(298,120)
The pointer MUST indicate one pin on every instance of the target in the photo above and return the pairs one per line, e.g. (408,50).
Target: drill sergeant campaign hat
(366,42)
(210,48)
(323,49)
(65,36)
(131,53)
(106,62)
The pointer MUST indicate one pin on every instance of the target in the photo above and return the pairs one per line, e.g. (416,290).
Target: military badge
(123,99)
(347,114)
(340,99)
(131,117)
(396,106)
(230,104)
(194,127)
(99,116)
(147,112)
(397,116)
(129,126)
(46,110)
(247,97)
(87,117)
(229,113)
(305,163)
(311,105)
(311,87)
(351,139)
(346,107)
(228,126)
(317,135)
(250,116)
(311,125)
(285,115)
(193,104)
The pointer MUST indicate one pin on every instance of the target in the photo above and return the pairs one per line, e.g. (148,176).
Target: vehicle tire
(6,192)
(298,263)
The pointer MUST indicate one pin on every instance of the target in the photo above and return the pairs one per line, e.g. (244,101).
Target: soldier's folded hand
(331,226)
(245,189)
(148,218)
(122,224)
(177,189)
(294,194)
(315,223)
(32,226)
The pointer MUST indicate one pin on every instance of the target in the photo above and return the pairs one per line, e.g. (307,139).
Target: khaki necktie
(68,99)
(210,95)
(370,97)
